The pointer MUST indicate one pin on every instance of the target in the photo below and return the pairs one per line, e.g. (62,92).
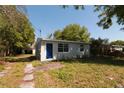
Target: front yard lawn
(1,67)
(94,72)
(14,76)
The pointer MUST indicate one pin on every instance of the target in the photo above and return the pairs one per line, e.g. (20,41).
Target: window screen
(62,47)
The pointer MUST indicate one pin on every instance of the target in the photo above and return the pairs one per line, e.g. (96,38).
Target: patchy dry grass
(13,77)
(36,63)
(96,72)
(1,67)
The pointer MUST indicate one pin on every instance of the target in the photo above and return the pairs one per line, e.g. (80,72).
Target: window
(62,47)
(65,47)
(81,47)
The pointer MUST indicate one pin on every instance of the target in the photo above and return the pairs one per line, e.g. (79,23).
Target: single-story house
(47,50)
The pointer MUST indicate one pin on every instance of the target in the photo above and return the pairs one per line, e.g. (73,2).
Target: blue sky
(50,18)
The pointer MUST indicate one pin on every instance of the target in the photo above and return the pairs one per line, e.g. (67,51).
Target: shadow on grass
(25,59)
(99,60)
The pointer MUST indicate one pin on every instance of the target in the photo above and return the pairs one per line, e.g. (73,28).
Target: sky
(50,18)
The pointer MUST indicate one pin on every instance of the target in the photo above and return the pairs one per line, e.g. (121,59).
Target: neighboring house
(30,49)
(117,48)
(47,50)
(33,48)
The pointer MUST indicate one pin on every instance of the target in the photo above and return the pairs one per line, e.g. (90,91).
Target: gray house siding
(73,50)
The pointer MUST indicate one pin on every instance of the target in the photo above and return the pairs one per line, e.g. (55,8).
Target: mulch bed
(49,66)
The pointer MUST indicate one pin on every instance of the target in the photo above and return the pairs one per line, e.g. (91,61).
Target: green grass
(85,73)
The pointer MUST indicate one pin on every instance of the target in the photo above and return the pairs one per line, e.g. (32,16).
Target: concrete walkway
(28,80)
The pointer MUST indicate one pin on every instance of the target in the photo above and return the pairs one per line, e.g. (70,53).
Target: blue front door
(49,50)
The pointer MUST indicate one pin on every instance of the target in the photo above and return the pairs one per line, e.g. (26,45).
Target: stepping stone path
(28,78)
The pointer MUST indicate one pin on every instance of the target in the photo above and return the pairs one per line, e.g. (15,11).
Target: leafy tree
(57,34)
(77,7)
(73,32)
(15,29)
(97,46)
(99,41)
(117,42)
(107,14)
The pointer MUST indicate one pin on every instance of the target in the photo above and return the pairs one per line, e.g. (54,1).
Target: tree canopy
(117,42)
(15,29)
(97,46)
(98,42)
(73,32)
(106,14)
